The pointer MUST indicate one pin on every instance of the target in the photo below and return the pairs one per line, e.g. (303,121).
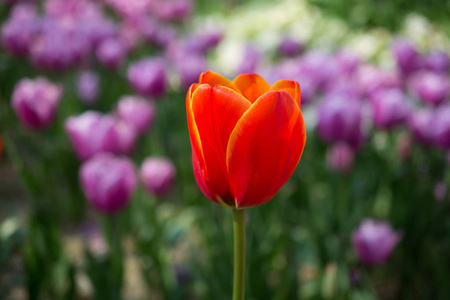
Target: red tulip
(247,137)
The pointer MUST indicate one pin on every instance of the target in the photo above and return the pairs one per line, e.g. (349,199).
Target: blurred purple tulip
(374,241)
(148,77)
(136,111)
(88,85)
(431,88)
(250,60)
(347,62)
(111,53)
(156,33)
(108,182)
(437,61)
(35,102)
(58,48)
(420,124)
(189,68)
(389,107)
(406,55)
(370,79)
(440,126)
(201,43)
(340,158)
(290,47)
(319,66)
(157,175)
(93,132)
(440,191)
(174,10)
(20,30)
(339,120)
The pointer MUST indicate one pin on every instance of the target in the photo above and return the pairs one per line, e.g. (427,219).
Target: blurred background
(97,194)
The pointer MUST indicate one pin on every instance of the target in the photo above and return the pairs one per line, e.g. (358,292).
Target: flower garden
(128,164)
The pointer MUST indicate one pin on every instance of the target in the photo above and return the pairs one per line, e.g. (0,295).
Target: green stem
(239,254)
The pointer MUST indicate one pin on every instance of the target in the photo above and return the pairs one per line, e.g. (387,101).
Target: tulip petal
(290,86)
(251,86)
(264,148)
(215,110)
(214,79)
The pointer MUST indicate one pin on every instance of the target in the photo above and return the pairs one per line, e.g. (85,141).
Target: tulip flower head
(36,102)
(374,241)
(158,175)
(136,111)
(108,182)
(247,137)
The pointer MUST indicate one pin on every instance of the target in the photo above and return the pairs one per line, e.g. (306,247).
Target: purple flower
(440,126)
(370,79)
(88,84)
(108,182)
(59,46)
(136,111)
(157,175)
(174,10)
(189,69)
(340,158)
(148,77)
(389,108)
(290,47)
(157,34)
(437,61)
(20,30)
(420,124)
(201,43)
(250,60)
(339,120)
(374,241)
(319,66)
(111,53)
(440,191)
(93,132)
(347,62)
(431,88)
(35,102)
(406,55)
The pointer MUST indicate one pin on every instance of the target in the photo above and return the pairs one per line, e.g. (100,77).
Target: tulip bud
(340,158)
(339,120)
(250,60)
(374,241)
(19,31)
(370,79)
(439,191)
(290,47)
(148,77)
(431,88)
(92,133)
(111,53)
(420,124)
(203,42)
(157,175)
(174,10)
(88,87)
(136,111)
(57,49)
(108,182)
(347,62)
(440,126)
(35,102)
(189,68)
(389,108)
(406,55)
(437,61)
